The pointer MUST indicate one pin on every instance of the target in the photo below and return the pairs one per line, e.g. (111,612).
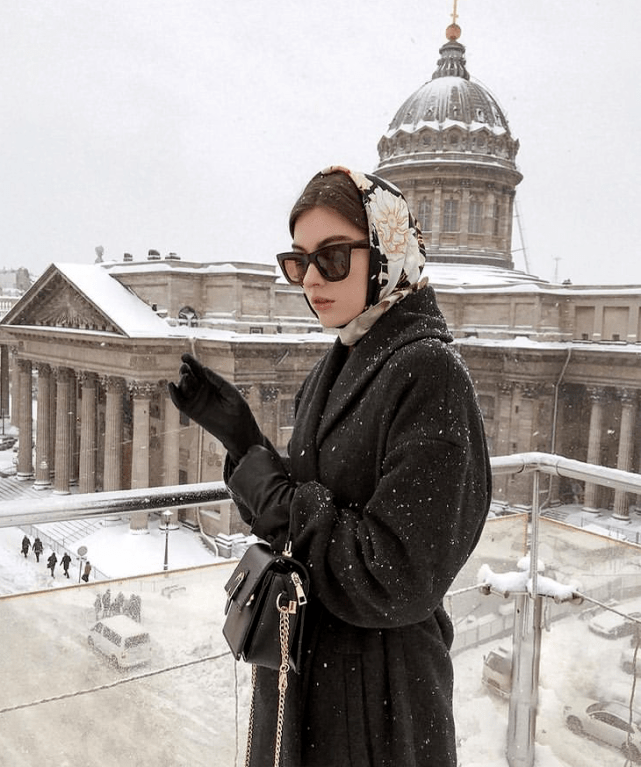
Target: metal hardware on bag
(298,585)
(289,607)
(287,551)
(234,589)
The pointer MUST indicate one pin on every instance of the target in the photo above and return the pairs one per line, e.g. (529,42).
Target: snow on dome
(449,116)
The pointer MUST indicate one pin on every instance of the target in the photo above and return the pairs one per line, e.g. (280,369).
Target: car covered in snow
(497,672)
(610,722)
(612,625)
(122,640)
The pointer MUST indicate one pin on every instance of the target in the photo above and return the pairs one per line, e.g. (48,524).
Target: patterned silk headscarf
(397,254)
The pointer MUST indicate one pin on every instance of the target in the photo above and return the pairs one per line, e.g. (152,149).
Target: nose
(312,276)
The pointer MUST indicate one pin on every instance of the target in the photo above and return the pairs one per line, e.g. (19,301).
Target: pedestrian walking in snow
(97,606)
(26,545)
(119,603)
(37,548)
(66,561)
(51,563)
(135,607)
(106,603)
(383,494)
(87,572)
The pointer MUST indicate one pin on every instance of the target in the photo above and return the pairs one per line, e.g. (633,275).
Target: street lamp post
(166,517)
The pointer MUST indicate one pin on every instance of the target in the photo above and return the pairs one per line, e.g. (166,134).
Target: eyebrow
(327,241)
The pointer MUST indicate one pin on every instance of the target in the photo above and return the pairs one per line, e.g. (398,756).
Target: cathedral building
(556,367)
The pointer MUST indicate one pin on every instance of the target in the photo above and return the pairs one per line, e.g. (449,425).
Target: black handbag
(266,596)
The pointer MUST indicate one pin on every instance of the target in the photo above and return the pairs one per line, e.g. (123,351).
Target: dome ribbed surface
(448,100)
(450,97)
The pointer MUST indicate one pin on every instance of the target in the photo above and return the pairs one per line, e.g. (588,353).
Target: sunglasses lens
(333,262)
(294,269)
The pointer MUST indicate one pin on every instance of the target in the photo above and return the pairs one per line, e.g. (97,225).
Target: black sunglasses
(333,262)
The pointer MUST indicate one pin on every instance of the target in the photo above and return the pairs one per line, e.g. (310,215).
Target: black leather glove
(261,485)
(217,406)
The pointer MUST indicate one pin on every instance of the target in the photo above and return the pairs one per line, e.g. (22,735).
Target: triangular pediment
(53,301)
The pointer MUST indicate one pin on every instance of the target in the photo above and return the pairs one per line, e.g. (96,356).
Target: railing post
(526,656)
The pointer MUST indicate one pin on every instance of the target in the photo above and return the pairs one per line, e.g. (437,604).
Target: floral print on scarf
(397,254)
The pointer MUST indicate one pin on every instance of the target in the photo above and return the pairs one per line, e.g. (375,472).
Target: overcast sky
(191,125)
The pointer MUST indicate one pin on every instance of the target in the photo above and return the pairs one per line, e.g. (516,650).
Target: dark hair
(335,191)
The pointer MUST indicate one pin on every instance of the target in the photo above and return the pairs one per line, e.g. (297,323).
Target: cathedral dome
(449,115)
(449,149)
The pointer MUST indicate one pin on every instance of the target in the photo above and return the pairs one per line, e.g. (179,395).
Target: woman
(384,492)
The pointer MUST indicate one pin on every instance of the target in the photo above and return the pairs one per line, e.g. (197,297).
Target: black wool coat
(384,496)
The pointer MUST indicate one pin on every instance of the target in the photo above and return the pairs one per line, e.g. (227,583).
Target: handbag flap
(258,558)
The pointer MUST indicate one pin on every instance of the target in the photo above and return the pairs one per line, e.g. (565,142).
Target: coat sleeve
(389,563)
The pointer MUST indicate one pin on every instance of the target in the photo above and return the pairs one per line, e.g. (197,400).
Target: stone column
(626,448)
(554,485)
(53,409)
(140,448)
(4,383)
(43,429)
(464,225)
(171,449)
(64,390)
(114,388)
(25,421)
(87,469)
(437,213)
(504,425)
(597,396)
(171,443)
(14,375)
(73,429)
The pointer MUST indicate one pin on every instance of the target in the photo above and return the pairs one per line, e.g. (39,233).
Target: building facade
(556,367)
(91,349)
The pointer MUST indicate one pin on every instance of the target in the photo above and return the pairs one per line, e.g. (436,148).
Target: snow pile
(519,581)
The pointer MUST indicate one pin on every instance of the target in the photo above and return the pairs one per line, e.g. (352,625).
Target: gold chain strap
(250,726)
(283,670)
(282,678)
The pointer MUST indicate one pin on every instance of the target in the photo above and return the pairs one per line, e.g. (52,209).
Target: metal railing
(524,697)
(116,503)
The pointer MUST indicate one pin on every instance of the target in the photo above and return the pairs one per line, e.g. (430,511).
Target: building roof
(84,297)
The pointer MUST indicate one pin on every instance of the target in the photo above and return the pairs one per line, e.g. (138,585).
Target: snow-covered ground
(61,702)
(189,706)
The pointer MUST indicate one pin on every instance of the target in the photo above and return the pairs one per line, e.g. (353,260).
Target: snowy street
(187,716)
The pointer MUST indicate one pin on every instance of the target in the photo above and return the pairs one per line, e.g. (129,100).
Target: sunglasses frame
(312,258)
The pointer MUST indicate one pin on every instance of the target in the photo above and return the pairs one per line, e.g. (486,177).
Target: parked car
(122,640)
(608,722)
(7,442)
(497,672)
(612,625)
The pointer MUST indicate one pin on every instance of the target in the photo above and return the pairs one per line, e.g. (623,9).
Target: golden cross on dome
(454,13)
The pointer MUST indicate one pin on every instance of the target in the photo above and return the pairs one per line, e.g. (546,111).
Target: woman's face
(335,303)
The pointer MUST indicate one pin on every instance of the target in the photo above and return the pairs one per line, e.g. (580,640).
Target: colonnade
(523,410)
(629,399)
(74,447)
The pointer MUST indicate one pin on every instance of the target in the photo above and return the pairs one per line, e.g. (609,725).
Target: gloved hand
(217,406)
